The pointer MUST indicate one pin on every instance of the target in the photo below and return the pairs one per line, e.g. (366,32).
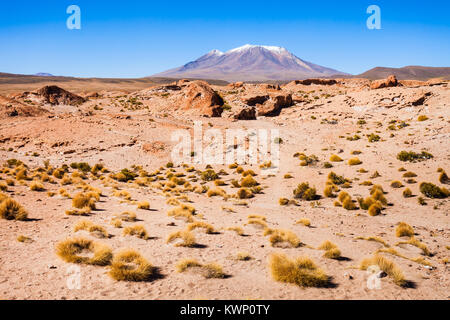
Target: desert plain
(226,231)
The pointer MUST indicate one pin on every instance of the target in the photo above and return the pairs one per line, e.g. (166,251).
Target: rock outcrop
(56,95)
(199,96)
(391,81)
(270,104)
(245,113)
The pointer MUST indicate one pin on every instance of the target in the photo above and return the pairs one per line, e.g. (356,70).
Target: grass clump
(136,230)
(443,178)
(432,191)
(249,182)
(95,230)
(305,192)
(184,212)
(75,250)
(36,186)
(10,209)
(24,239)
(404,230)
(209,175)
(396,184)
(329,191)
(243,256)
(129,265)
(238,230)
(304,221)
(354,161)
(301,271)
(413,156)
(83,200)
(422,118)
(335,158)
(407,193)
(144,205)
(188,239)
(244,193)
(283,238)
(209,229)
(209,271)
(389,267)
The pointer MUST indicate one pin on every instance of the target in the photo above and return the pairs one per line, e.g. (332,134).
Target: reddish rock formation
(245,113)
(200,96)
(269,105)
(56,95)
(391,81)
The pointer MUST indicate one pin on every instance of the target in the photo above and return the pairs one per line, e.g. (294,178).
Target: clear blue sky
(139,38)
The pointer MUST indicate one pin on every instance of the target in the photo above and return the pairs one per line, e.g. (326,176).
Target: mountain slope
(407,73)
(250,63)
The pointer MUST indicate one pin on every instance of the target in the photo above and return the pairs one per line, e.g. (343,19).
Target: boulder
(199,96)
(235,85)
(56,95)
(245,113)
(391,81)
(270,104)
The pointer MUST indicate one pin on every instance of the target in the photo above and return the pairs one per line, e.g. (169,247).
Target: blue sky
(140,38)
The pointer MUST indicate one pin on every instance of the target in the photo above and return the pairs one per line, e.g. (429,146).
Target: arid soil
(119,130)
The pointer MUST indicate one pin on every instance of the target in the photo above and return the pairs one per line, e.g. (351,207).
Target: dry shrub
(404,230)
(334,253)
(407,193)
(375,209)
(283,237)
(24,239)
(417,243)
(83,200)
(209,229)
(244,193)
(127,216)
(238,230)
(144,205)
(329,189)
(396,184)
(301,271)
(11,210)
(335,158)
(304,221)
(389,267)
(210,270)
(187,237)
(72,250)
(305,192)
(95,230)
(136,230)
(243,256)
(249,182)
(354,161)
(432,191)
(182,212)
(216,192)
(327,245)
(129,265)
(36,186)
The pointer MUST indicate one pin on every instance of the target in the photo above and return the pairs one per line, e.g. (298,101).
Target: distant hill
(407,73)
(43,74)
(250,63)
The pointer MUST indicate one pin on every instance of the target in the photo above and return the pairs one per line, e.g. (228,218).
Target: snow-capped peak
(274,49)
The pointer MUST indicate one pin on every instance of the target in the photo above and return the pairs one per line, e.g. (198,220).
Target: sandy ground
(120,137)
